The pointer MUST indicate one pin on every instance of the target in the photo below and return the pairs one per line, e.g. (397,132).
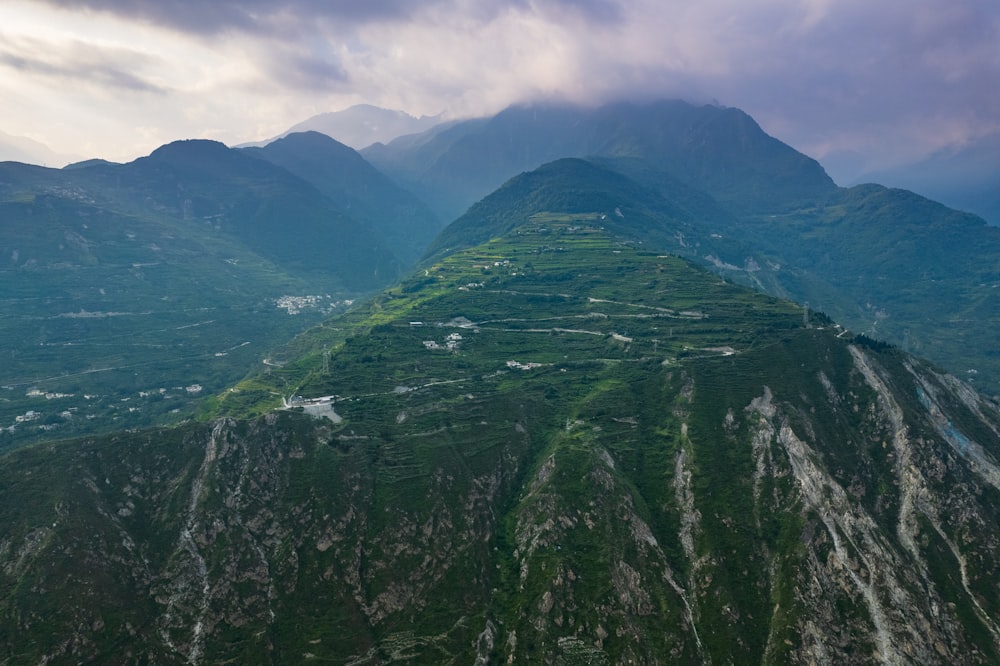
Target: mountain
(708,182)
(358,188)
(887,263)
(28,151)
(550,446)
(721,151)
(361,125)
(89,163)
(274,212)
(898,267)
(884,261)
(129,291)
(966,178)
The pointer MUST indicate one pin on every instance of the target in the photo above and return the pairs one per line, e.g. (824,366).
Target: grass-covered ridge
(555,292)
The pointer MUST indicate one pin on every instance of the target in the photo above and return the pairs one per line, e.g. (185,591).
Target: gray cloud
(80,63)
(200,17)
(883,81)
(888,80)
(269,16)
(591,10)
(308,71)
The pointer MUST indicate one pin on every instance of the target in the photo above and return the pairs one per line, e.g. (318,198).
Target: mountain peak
(187,150)
(190,147)
(199,156)
(362,125)
(89,163)
(311,141)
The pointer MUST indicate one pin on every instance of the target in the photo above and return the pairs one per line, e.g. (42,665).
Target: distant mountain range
(361,125)
(720,151)
(132,282)
(28,151)
(966,178)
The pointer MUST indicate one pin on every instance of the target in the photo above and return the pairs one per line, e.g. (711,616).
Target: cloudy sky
(859,84)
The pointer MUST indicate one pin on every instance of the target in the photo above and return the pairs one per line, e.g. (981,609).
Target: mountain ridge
(888,263)
(359,189)
(965,178)
(706,146)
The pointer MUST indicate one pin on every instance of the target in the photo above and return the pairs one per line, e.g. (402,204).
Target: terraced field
(556,280)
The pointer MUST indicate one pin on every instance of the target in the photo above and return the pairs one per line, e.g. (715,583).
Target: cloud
(79,62)
(886,80)
(889,79)
(308,71)
(268,16)
(254,16)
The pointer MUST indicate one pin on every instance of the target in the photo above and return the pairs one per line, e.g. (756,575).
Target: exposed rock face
(862,531)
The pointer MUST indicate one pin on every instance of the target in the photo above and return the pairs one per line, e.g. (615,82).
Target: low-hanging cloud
(885,80)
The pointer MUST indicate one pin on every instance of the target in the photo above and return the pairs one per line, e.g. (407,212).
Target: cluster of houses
(451,342)
(296,304)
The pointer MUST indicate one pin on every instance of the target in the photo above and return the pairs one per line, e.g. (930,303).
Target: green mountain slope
(966,178)
(276,214)
(123,285)
(552,446)
(886,262)
(358,189)
(898,267)
(668,216)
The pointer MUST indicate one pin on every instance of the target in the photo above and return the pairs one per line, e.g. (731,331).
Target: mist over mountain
(28,151)
(719,150)
(361,125)
(966,178)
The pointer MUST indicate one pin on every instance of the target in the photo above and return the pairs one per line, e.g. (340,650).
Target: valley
(116,344)
(124,284)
